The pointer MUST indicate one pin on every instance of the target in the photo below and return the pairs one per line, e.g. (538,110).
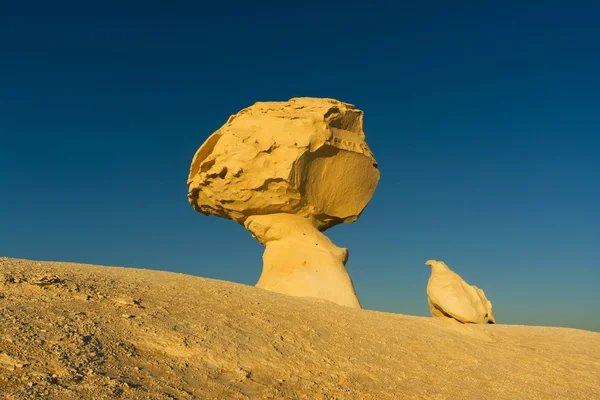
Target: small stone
(124,301)
(8,338)
(46,280)
(245,373)
(127,315)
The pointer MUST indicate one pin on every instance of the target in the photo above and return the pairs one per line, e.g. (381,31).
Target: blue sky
(485,121)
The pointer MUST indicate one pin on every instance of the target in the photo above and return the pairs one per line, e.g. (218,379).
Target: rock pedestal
(301,261)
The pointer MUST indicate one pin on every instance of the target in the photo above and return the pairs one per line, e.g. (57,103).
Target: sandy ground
(72,331)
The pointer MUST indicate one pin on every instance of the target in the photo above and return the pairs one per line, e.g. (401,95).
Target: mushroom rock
(287,171)
(449,296)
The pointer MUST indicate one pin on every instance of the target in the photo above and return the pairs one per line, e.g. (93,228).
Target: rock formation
(288,171)
(451,297)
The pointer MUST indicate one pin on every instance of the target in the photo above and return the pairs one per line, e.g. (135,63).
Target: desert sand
(74,331)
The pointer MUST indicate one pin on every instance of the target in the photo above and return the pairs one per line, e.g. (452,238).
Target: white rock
(449,296)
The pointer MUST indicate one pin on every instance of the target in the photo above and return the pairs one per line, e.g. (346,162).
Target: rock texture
(449,296)
(488,304)
(287,171)
(72,331)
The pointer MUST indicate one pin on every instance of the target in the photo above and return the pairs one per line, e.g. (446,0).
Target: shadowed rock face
(281,168)
(449,296)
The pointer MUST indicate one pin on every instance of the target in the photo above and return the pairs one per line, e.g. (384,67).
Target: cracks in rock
(267,182)
(272,147)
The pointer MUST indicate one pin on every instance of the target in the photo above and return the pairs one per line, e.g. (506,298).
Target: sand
(73,331)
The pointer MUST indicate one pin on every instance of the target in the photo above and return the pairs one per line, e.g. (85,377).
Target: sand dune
(73,331)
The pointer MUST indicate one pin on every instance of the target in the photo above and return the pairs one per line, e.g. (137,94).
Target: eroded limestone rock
(449,296)
(288,171)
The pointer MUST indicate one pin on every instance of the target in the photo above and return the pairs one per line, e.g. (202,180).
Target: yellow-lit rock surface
(449,296)
(287,171)
(74,331)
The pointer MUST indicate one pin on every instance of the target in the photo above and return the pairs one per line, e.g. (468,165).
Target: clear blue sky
(485,121)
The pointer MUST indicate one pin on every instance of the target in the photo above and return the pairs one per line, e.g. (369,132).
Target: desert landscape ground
(74,331)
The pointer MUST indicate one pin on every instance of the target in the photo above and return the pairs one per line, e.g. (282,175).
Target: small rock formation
(288,171)
(449,296)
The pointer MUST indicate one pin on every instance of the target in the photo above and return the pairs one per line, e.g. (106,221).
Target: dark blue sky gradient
(485,121)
